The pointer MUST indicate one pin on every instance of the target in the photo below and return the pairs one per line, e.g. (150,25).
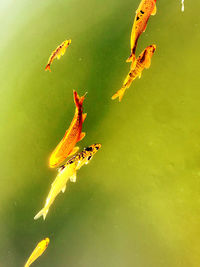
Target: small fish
(38,251)
(142,62)
(65,173)
(74,134)
(57,53)
(144,11)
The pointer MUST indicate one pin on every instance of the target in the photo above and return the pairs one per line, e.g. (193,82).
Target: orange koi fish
(66,147)
(38,251)
(142,62)
(57,53)
(144,11)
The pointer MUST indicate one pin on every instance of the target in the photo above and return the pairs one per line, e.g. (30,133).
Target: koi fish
(38,251)
(82,158)
(66,147)
(144,11)
(65,173)
(57,53)
(142,62)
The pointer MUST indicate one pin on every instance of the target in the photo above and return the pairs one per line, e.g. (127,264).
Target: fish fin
(139,76)
(154,11)
(63,52)
(147,63)
(61,168)
(75,149)
(65,134)
(63,189)
(78,100)
(119,93)
(48,67)
(73,178)
(84,117)
(131,58)
(82,135)
(145,28)
(43,213)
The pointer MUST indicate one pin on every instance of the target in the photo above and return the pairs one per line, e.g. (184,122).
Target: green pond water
(137,204)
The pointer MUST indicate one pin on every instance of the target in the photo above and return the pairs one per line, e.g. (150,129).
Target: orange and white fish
(65,173)
(142,62)
(74,134)
(38,251)
(57,53)
(144,11)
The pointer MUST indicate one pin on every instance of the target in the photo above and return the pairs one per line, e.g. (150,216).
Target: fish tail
(119,93)
(78,100)
(132,58)
(48,67)
(43,213)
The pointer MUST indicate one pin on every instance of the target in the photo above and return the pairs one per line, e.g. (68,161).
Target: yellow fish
(144,11)
(38,251)
(142,62)
(74,134)
(57,53)
(66,172)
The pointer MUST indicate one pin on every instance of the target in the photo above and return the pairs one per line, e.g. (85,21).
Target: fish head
(44,243)
(96,147)
(93,148)
(47,240)
(151,49)
(67,43)
(91,151)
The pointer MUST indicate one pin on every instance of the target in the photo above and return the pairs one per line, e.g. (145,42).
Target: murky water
(138,202)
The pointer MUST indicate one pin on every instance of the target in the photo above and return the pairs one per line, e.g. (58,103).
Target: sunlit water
(138,202)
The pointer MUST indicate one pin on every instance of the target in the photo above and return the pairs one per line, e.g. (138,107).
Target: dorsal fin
(154,11)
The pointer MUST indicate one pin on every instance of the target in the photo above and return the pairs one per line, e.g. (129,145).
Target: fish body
(144,11)
(74,134)
(57,53)
(83,157)
(57,186)
(66,172)
(38,251)
(142,62)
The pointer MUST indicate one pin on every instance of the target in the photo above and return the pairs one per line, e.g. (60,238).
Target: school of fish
(145,10)
(67,146)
